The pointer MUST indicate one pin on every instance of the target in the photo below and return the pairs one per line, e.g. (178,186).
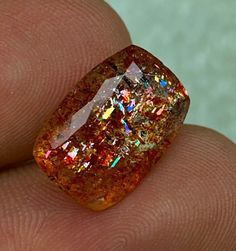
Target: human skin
(187,202)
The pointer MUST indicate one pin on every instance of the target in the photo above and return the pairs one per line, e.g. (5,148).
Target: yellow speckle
(108,112)
(81,168)
(157,79)
(154,110)
(170,99)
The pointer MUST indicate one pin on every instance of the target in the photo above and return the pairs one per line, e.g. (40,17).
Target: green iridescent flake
(137,142)
(115,161)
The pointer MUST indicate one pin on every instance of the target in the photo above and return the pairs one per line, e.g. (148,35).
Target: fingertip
(187,202)
(46,47)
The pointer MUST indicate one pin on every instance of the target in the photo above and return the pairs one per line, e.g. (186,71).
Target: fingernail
(112,128)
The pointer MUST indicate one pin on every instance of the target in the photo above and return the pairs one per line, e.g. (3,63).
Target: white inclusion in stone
(64,146)
(73,152)
(84,146)
(80,118)
(86,164)
(134,73)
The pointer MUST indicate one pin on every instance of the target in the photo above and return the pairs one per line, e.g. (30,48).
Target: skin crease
(186,203)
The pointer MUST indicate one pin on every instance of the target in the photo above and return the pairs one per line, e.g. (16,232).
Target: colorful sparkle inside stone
(115,125)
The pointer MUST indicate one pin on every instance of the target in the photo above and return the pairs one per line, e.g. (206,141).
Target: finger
(186,203)
(46,47)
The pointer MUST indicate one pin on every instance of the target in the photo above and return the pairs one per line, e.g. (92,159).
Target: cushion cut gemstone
(112,128)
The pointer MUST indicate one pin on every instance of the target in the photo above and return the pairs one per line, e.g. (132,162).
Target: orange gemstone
(112,128)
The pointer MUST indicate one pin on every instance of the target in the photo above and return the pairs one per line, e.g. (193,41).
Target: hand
(187,202)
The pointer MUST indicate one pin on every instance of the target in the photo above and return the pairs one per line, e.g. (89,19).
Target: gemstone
(112,128)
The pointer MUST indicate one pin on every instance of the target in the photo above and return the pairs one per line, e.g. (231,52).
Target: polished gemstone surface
(112,128)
